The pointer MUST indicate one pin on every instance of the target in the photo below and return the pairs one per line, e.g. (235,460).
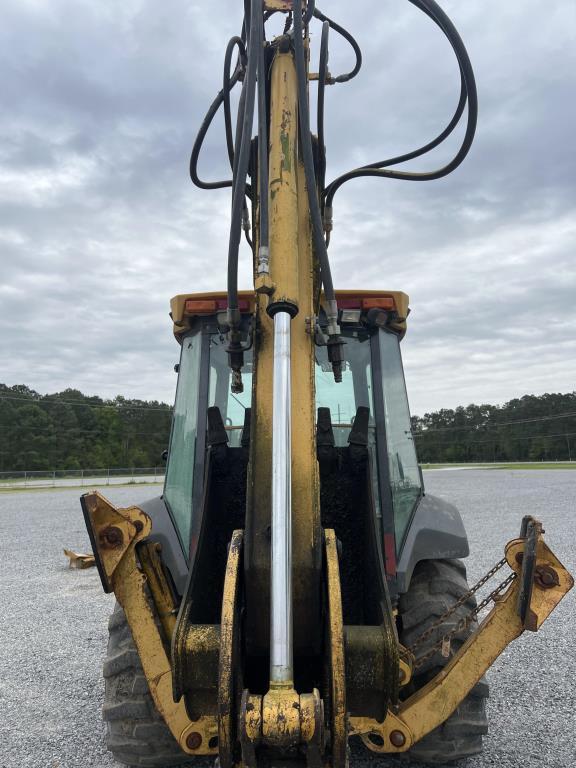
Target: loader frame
(142,588)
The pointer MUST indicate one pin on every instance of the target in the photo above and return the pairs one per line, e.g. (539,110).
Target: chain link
(443,644)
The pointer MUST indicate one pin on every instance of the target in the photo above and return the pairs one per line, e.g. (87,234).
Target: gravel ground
(53,626)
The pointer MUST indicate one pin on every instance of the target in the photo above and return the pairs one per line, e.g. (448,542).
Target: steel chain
(466,620)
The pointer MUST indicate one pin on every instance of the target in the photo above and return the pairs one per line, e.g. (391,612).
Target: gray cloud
(99,224)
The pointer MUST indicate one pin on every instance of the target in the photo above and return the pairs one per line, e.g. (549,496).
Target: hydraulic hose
(348,37)
(322,76)
(468,93)
(307,154)
(227,87)
(334,341)
(435,142)
(310,8)
(263,251)
(241,162)
(223,98)
(199,140)
(250,68)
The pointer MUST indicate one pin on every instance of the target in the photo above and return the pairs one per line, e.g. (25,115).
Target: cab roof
(187,306)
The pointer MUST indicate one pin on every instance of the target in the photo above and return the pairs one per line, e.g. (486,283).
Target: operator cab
(366,414)
(370,406)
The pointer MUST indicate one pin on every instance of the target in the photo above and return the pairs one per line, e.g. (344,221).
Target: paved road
(53,627)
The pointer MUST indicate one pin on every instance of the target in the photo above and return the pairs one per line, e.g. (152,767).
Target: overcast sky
(100,225)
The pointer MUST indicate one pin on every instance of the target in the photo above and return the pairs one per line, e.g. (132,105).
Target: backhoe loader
(294,590)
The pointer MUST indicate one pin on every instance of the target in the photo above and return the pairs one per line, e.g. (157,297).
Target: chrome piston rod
(281,560)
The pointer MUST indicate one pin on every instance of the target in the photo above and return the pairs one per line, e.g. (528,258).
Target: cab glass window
(343,399)
(405,476)
(178,485)
(355,389)
(232,405)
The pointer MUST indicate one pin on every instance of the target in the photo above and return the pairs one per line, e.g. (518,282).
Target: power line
(496,425)
(117,407)
(494,440)
(96,431)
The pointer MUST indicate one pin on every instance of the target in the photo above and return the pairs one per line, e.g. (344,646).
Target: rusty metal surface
(199,665)
(112,532)
(435,702)
(338,709)
(292,270)
(149,557)
(250,727)
(130,584)
(281,716)
(366,665)
(284,723)
(228,699)
(280,5)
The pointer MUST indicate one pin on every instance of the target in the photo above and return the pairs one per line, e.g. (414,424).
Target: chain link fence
(81,477)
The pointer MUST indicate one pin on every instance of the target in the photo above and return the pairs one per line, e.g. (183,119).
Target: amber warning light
(383,302)
(210,306)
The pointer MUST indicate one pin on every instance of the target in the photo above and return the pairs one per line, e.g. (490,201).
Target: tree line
(70,430)
(529,428)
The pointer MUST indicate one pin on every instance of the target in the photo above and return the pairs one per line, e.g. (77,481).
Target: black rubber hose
(197,146)
(310,8)
(247,14)
(239,124)
(322,75)
(433,10)
(307,154)
(262,139)
(227,87)
(348,37)
(331,189)
(223,97)
(241,162)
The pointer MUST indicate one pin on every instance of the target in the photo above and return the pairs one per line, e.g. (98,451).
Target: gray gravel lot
(53,626)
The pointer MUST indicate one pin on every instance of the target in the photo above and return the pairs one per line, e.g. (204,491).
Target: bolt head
(193,740)
(397,738)
(111,537)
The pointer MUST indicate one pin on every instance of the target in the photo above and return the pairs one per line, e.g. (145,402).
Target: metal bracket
(435,702)
(280,5)
(115,533)
(112,531)
(282,719)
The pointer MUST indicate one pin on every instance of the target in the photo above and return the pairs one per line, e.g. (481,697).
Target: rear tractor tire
(136,733)
(436,585)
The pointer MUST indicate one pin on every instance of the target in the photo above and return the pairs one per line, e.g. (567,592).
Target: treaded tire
(136,733)
(436,585)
